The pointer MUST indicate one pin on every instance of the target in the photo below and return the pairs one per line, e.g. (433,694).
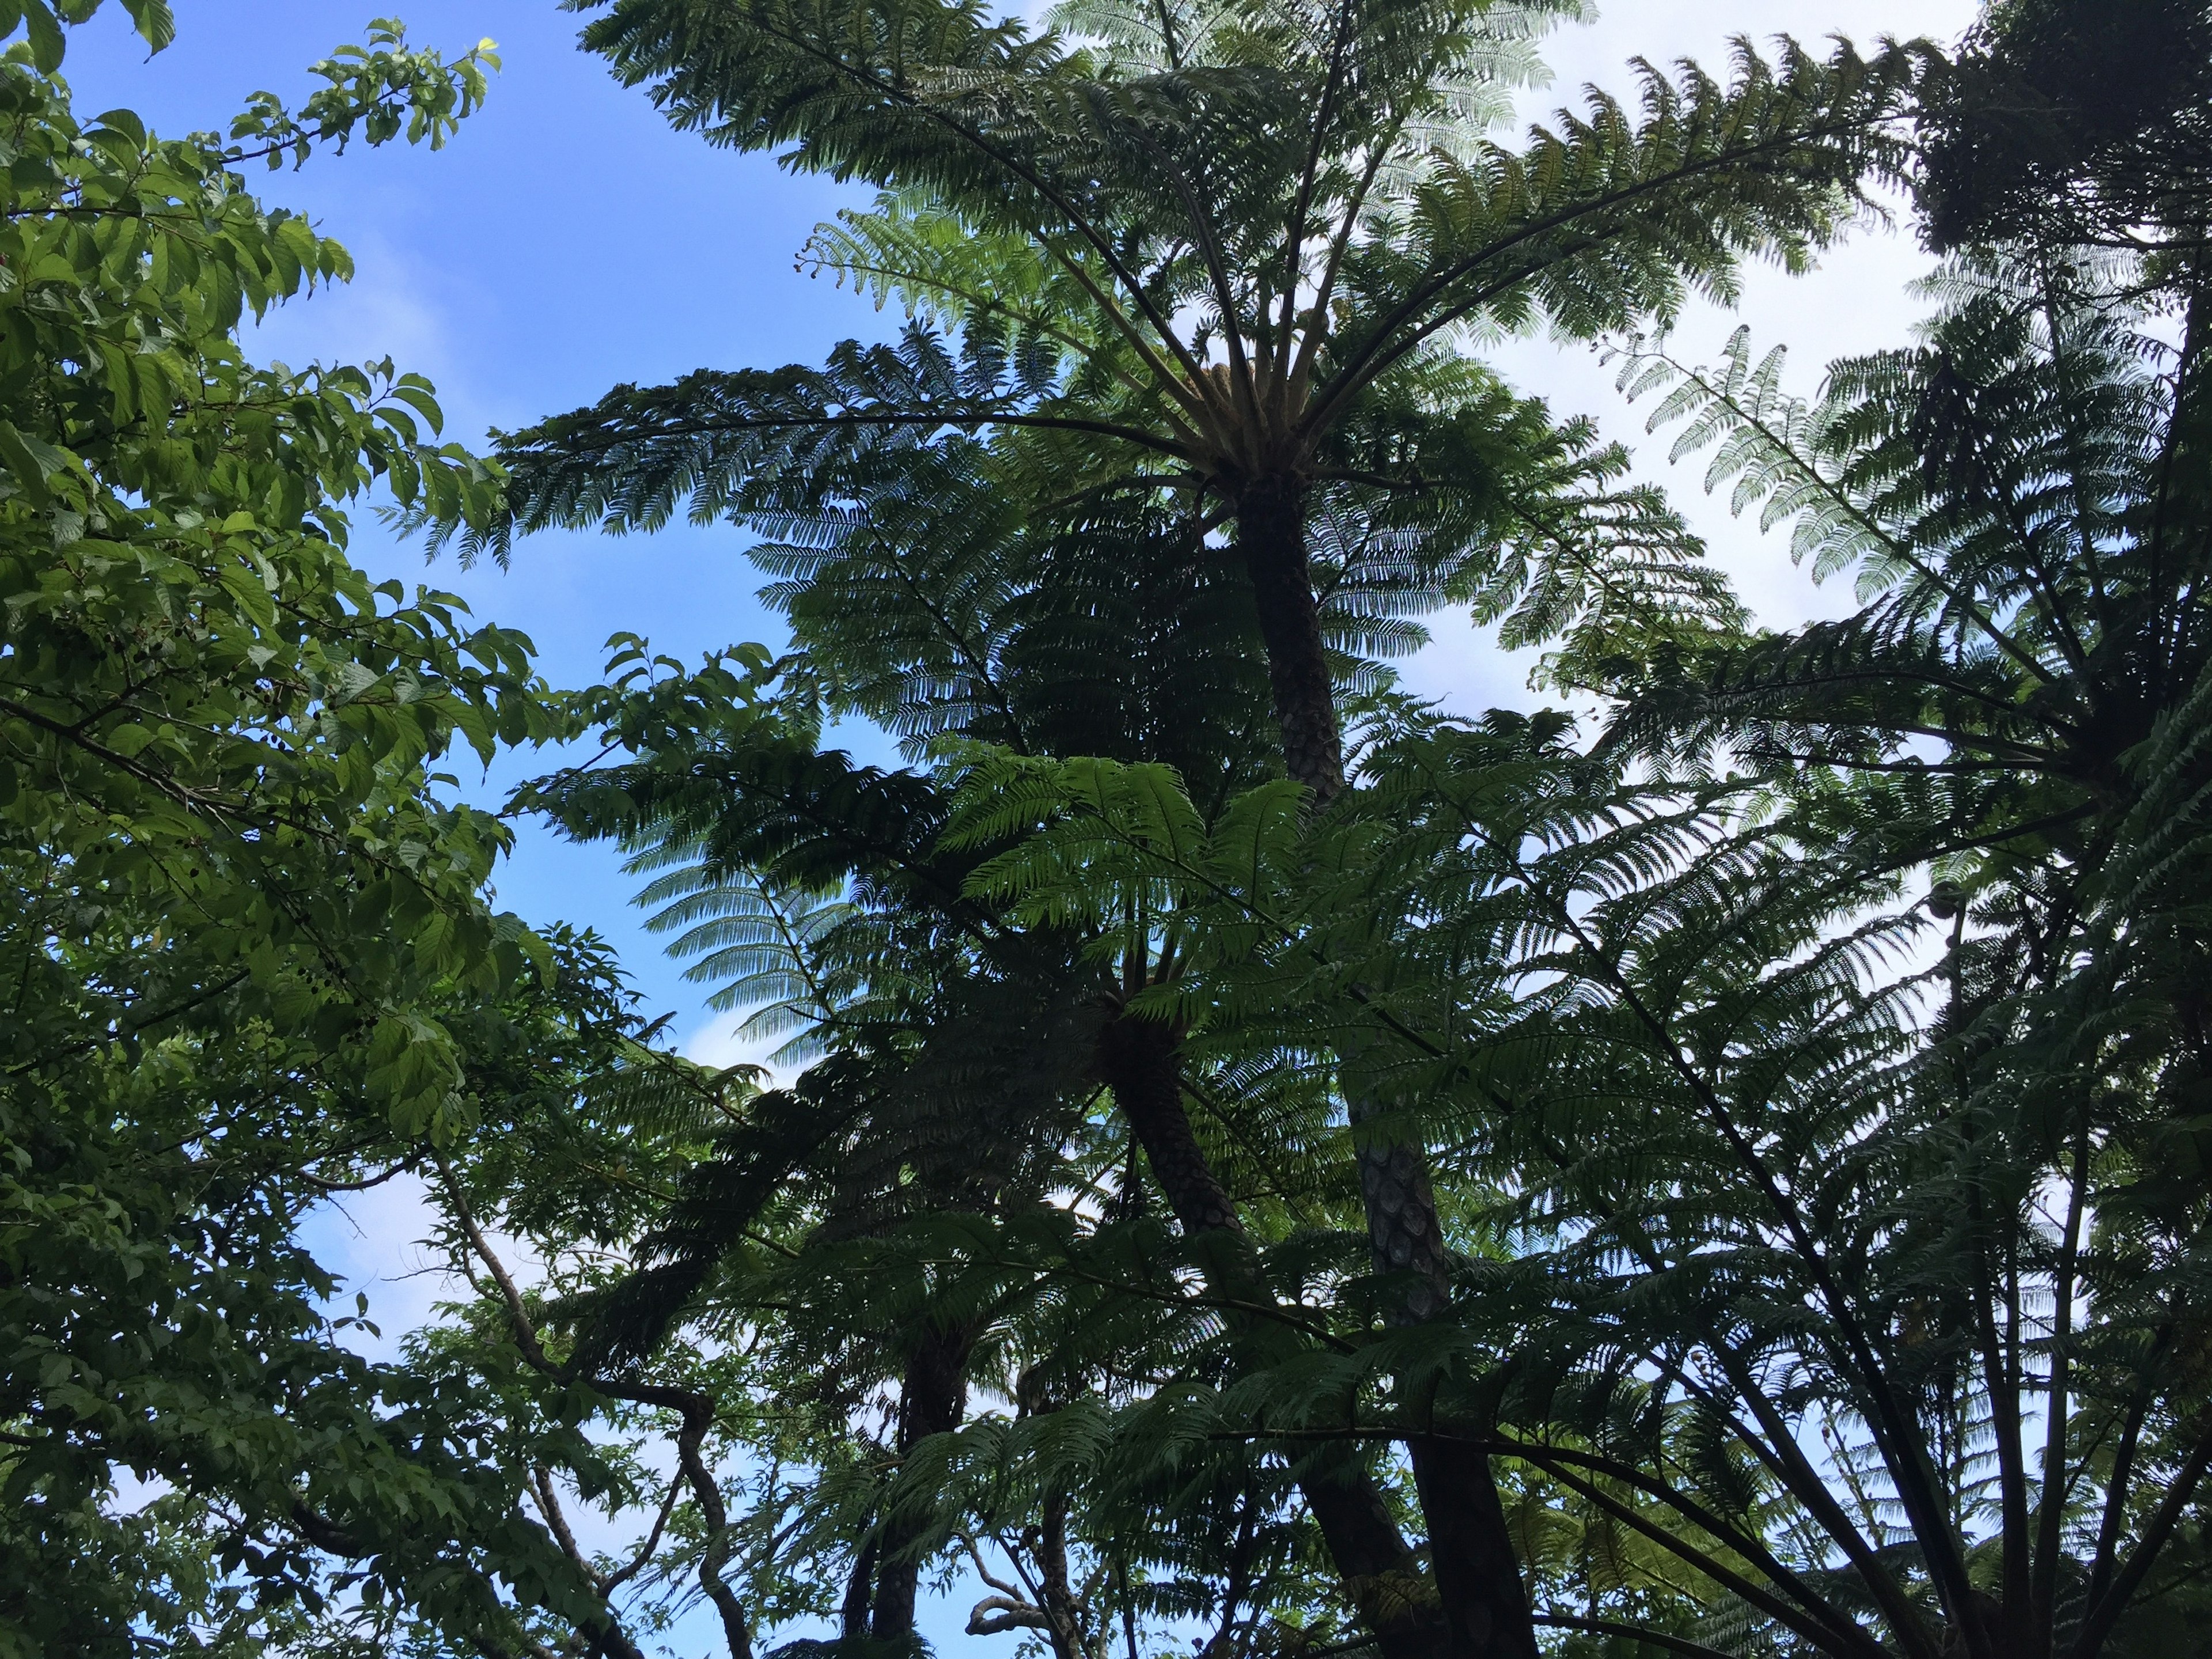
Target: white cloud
(721,1042)
(380,1243)
(392,308)
(376,1244)
(1853,301)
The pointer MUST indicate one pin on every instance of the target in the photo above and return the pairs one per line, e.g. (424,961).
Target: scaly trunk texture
(932,1398)
(1486,1603)
(1140,1061)
(1136,1058)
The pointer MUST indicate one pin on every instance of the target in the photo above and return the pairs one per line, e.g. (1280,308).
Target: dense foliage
(247,951)
(1255,1164)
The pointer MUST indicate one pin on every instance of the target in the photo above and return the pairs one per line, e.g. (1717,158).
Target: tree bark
(1063,1612)
(1478,1577)
(1271,533)
(1136,1058)
(1485,1602)
(1140,1061)
(859,1589)
(932,1398)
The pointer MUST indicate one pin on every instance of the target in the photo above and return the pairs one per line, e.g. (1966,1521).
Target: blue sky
(566,241)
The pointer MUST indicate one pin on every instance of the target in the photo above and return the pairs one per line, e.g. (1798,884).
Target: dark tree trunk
(1061,1608)
(1271,533)
(1406,1239)
(1479,1579)
(853,1618)
(932,1398)
(1139,1060)
(1136,1058)
(1486,1603)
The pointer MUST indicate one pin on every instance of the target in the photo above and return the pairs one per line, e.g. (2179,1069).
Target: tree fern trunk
(1271,533)
(1138,1060)
(1486,1603)
(932,1398)
(1478,1575)
(859,1587)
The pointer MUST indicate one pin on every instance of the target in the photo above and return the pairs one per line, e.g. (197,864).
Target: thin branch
(207,994)
(556,1518)
(1375,355)
(1819,1607)
(1075,219)
(1630,1632)
(2050,1530)
(622,1575)
(1209,247)
(695,1410)
(2105,1611)
(1842,1641)
(1294,249)
(964,419)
